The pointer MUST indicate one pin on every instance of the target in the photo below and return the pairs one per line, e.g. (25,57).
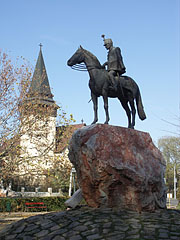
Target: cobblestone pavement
(92,224)
(7,218)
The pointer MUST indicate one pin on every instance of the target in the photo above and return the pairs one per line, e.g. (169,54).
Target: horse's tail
(140,107)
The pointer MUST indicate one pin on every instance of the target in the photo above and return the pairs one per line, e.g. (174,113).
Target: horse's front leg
(95,106)
(105,98)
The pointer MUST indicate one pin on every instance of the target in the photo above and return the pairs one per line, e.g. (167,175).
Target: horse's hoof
(106,123)
(94,122)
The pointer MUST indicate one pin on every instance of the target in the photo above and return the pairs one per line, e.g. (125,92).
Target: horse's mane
(92,56)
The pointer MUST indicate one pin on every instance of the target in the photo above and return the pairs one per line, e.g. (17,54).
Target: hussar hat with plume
(106,41)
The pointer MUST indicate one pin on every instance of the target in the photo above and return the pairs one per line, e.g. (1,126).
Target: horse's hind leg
(133,111)
(95,106)
(128,112)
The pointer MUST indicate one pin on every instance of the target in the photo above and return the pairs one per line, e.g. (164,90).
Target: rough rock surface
(118,167)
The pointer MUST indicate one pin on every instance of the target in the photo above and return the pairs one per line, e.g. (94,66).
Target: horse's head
(77,57)
(83,56)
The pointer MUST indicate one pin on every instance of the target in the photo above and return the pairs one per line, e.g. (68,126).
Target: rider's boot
(113,80)
(114,83)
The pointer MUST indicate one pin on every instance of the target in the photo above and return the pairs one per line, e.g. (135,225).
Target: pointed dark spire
(39,93)
(40,84)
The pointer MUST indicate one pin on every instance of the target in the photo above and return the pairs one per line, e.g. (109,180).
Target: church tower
(38,124)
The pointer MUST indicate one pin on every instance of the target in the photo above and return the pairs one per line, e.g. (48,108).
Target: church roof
(39,90)
(40,84)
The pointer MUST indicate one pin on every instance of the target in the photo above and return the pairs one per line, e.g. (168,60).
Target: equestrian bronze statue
(101,84)
(115,65)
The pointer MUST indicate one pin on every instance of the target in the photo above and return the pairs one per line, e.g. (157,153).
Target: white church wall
(38,139)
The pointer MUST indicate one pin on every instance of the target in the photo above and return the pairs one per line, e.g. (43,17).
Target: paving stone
(81,228)
(42,233)
(76,237)
(133,232)
(21,235)
(89,232)
(48,225)
(30,228)
(95,225)
(73,224)
(28,238)
(121,228)
(163,235)
(70,234)
(163,230)
(133,237)
(148,233)
(11,237)
(88,223)
(36,230)
(159,238)
(107,225)
(148,237)
(175,234)
(19,229)
(34,219)
(45,222)
(174,238)
(93,237)
(59,231)
(115,234)
(106,230)
(116,237)
(19,223)
(55,227)
(59,238)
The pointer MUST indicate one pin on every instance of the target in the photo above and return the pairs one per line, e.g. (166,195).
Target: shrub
(18,204)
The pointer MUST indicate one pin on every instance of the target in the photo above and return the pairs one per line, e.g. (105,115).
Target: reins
(79,67)
(83,68)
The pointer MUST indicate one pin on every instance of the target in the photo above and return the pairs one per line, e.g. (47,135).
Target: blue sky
(147,31)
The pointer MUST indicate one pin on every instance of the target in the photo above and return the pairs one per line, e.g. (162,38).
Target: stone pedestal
(118,167)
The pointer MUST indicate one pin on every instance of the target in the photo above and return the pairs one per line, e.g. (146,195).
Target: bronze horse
(100,85)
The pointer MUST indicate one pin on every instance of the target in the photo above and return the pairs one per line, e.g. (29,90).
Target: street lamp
(175,181)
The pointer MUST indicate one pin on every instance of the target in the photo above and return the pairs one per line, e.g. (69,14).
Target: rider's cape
(128,84)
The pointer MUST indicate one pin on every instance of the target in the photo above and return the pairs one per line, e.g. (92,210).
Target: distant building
(42,144)
(38,115)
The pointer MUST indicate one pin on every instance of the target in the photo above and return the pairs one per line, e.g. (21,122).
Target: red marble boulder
(118,167)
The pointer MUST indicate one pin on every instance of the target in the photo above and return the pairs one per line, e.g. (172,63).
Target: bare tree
(170,148)
(14,81)
(28,128)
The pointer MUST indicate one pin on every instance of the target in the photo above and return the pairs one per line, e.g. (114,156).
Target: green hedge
(18,204)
